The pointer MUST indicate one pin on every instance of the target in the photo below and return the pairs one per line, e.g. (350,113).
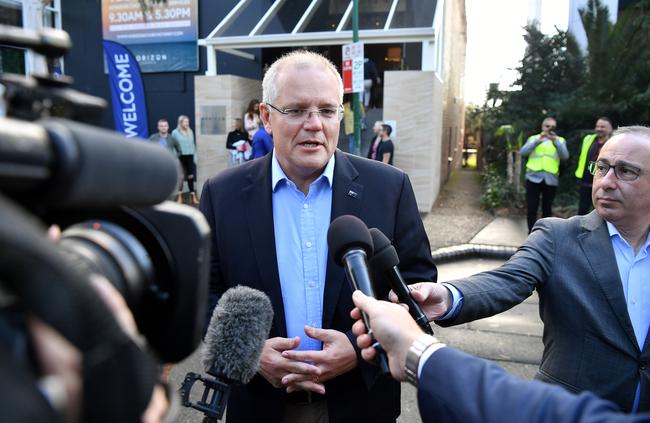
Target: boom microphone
(350,245)
(239,326)
(61,162)
(384,263)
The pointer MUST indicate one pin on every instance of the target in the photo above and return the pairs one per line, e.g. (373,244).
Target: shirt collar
(277,174)
(613,233)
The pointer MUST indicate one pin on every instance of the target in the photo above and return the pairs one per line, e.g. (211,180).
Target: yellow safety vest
(582,162)
(544,157)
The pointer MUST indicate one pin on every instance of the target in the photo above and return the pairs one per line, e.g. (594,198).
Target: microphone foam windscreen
(385,256)
(347,232)
(239,326)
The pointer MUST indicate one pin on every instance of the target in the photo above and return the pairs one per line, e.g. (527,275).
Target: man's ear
(265,115)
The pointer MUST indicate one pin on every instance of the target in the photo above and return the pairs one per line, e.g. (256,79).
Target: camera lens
(110,250)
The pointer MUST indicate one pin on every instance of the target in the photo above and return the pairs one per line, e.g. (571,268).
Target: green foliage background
(612,78)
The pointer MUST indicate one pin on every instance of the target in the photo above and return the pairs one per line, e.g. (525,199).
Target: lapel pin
(353,194)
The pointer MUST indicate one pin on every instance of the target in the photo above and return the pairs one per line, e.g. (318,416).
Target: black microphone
(350,245)
(239,326)
(61,162)
(384,263)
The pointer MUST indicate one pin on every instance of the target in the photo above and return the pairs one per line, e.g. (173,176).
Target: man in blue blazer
(591,274)
(457,387)
(269,220)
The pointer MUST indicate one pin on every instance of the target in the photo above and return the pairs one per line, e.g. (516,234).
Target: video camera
(107,194)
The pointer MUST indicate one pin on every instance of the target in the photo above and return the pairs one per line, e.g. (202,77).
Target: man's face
(548,125)
(163,128)
(603,128)
(377,128)
(303,148)
(624,203)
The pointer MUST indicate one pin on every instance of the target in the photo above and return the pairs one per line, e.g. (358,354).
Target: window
(17,13)
(12,60)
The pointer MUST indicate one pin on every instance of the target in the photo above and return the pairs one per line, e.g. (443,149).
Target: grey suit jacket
(589,342)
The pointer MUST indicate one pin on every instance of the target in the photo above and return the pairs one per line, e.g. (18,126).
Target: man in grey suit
(591,275)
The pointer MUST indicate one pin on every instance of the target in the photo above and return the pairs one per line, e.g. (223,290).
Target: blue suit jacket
(237,205)
(457,387)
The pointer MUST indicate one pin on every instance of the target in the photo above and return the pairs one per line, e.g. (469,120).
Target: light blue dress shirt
(300,226)
(634,271)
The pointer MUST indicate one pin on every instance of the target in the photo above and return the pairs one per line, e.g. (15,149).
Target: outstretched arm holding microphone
(457,387)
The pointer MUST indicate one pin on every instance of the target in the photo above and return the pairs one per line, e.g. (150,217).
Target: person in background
(348,122)
(237,142)
(164,138)
(262,143)
(237,134)
(385,148)
(252,120)
(377,129)
(453,386)
(589,153)
(185,138)
(370,78)
(544,152)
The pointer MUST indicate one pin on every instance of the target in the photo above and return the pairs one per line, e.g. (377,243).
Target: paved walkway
(457,217)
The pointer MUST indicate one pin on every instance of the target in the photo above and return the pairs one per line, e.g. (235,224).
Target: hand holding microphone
(384,267)
(350,244)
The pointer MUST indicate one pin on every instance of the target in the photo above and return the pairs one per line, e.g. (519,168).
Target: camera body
(158,259)
(107,193)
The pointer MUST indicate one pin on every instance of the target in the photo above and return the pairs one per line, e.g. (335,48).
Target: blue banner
(127,92)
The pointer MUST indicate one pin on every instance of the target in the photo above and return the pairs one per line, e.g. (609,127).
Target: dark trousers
(533,191)
(584,206)
(189,171)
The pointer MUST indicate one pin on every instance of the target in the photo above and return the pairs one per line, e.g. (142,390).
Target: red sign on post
(353,68)
(347,76)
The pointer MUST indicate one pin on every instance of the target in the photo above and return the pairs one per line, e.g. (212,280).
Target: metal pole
(355,96)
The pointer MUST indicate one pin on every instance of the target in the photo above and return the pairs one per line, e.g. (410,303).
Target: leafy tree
(612,78)
(618,59)
(549,73)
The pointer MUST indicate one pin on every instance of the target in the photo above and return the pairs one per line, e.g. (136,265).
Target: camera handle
(214,399)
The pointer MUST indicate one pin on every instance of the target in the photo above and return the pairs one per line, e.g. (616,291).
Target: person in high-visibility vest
(589,153)
(544,152)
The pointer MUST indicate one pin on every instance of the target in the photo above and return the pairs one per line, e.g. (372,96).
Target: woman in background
(252,121)
(185,138)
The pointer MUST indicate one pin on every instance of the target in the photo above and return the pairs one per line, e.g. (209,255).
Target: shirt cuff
(456,305)
(427,353)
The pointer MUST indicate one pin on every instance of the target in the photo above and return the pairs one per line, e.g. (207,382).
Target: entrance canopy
(292,23)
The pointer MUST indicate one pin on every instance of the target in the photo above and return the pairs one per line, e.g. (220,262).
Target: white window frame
(33,17)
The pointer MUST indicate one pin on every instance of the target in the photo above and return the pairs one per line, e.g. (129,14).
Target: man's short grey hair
(639,130)
(298,58)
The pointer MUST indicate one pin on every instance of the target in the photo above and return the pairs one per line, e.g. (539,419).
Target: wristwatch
(421,344)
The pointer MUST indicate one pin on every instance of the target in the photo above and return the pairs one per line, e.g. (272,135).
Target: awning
(290,23)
